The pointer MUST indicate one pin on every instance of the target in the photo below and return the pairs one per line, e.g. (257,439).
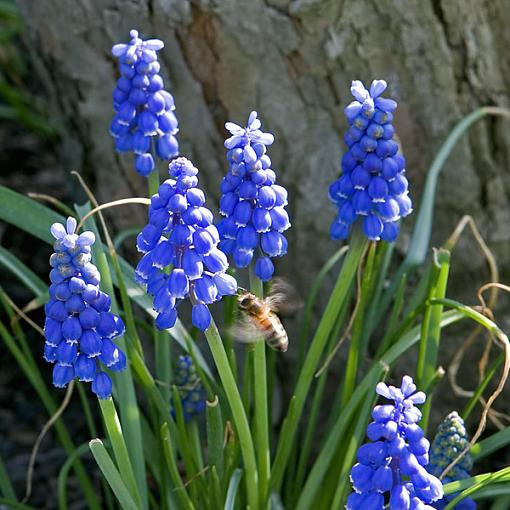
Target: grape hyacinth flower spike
(190,388)
(393,464)
(252,204)
(181,234)
(144,120)
(451,439)
(79,327)
(372,187)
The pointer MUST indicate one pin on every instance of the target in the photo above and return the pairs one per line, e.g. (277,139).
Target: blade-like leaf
(22,272)
(232,489)
(112,475)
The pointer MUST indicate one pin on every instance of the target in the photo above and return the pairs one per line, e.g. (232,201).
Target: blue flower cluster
(144,110)
(394,462)
(372,185)
(451,439)
(253,205)
(190,388)
(181,234)
(79,327)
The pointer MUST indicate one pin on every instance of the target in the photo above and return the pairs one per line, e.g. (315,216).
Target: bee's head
(245,301)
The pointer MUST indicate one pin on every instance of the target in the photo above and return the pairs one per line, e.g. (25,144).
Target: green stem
(261,402)
(163,366)
(183,439)
(337,298)
(317,404)
(89,419)
(238,413)
(431,333)
(130,344)
(481,387)
(355,349)
(304,329)
(119,447)
(153,182)
(179,488)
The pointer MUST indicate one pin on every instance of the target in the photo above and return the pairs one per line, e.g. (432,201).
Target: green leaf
(123,235)
(64,473)
(481,387)
(215,434)
(178,487)
(366,386)
(491,444)
(304,329)
(6,488)
(470,486)
(27,214)
(112,475)
(232,489)
(431,332)
(420,239)
(22,272)
(320,339)
(119,447)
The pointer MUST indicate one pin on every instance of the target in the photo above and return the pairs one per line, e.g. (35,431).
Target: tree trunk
(293,62)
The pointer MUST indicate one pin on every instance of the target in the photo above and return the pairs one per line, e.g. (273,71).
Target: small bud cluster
(181,235)
(253,205)
(450,441)
(190,388)
(393,463)
(372,186)
(79,327)
(144,110)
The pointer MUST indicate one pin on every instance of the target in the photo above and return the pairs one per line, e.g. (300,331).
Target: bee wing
(246,331)
(283,297)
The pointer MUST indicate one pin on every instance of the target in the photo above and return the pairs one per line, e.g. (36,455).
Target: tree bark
(293,62)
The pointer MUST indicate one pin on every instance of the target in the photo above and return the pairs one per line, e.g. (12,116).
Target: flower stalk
(236,405)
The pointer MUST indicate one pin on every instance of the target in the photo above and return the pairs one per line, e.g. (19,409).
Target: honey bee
(259,319)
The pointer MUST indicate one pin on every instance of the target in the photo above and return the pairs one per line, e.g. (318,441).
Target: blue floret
(181,234)
(145,123)
(373,186)
(393,464)
(252,204)
(79,327)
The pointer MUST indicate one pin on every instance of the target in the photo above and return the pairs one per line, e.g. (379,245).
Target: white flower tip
(86,238)
(58,231)
(383,390)
(119,49)
(418,398)
(359,91)
(154,44)
(252,117)
(71,225)
(377,88)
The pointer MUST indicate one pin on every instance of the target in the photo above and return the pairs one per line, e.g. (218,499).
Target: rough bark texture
(293,62)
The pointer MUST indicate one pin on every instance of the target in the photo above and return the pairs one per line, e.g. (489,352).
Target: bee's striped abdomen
(277,339)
